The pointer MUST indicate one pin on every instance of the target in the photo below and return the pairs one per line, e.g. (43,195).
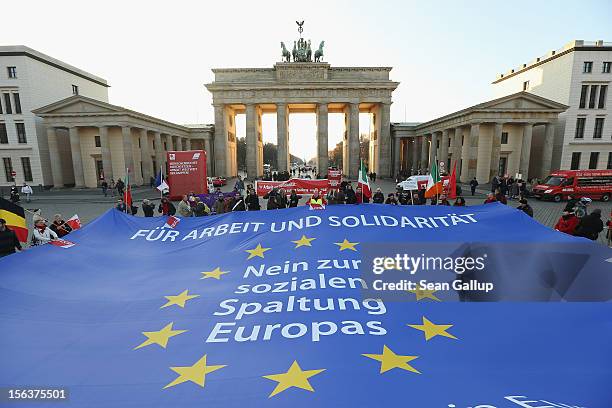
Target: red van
(594,184)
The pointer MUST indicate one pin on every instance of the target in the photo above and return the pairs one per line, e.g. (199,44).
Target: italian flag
(363,181)
(434,184)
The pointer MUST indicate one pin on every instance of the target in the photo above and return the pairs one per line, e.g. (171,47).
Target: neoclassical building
(90,140)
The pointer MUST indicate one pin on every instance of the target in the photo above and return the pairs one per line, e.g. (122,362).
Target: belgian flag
(15,219)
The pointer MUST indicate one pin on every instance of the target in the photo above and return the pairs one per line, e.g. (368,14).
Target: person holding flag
(14,217)
(8,240)
(434,184)
(364,183)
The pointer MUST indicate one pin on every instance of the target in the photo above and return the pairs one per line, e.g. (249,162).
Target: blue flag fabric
(158,178)
(267,309)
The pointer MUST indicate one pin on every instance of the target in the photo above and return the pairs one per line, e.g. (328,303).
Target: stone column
(433,148)
(526,150)
(444,150)
(107,163)
(220,141)
(128,154)
(547,151)
(251,141)
(397,145)
(187,143)
(169,143)
(483,155)
(159,152)
(353,141)
(322,139)
(145,156)
(384,141)
(466,152)
(209,158)
(424,153)
(77,161)
(282,137)
(415,154)
(495,150)
(456,148)
(56,161)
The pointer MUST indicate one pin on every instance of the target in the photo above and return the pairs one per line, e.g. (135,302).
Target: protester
(316,201)
(220,205)
(609,225)
(391,199)
(104,186)
(282,199)
(494,184)
(378,197)
(473,185)
(184,208)
(200,209)
(490,198)
(166,207)
(444,201)
(59,226)
(252,200)
(567,223)
(8,240)
(340,197)
(294,199)
(121,205)
(147,208)
(41,234)
(499,196)
(459,202)
(590,225)
(525,207)
(351,198)
(239,205)
(571,203)
(27,191)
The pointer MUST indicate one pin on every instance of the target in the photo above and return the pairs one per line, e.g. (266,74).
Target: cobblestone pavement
(90,203)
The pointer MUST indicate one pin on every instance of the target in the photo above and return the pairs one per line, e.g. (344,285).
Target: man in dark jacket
(590,225)
(473,185)
(147,208)
(378,197)
(8,240)
(351,198)
(294,199)
(252,201)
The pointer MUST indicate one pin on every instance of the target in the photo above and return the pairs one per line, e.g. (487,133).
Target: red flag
(62,243)
(172,221)
(452,183)
(128,192)
(74,222)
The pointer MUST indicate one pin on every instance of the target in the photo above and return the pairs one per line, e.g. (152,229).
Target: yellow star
(304,241)
(160,337)
(347,245)
(215,273)
(195,373)
(389,360)
(294,377)
(424,294)
(432,330)
(257,251)
(179,299)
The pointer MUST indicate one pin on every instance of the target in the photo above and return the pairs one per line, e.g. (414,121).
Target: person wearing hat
(41,234)
(525,207)
(8,240)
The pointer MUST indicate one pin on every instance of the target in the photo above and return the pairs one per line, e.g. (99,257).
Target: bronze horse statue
(286,55)
(319,53)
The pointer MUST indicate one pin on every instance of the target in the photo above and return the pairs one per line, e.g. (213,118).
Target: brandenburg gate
(302,85)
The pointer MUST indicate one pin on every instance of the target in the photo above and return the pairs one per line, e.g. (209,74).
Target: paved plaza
(90,203)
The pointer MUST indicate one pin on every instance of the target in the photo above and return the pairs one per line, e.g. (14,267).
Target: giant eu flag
(295,308)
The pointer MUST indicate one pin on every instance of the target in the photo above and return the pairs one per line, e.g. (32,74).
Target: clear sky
(157,55)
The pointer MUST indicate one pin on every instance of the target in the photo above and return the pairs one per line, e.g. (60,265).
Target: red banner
(301,186)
